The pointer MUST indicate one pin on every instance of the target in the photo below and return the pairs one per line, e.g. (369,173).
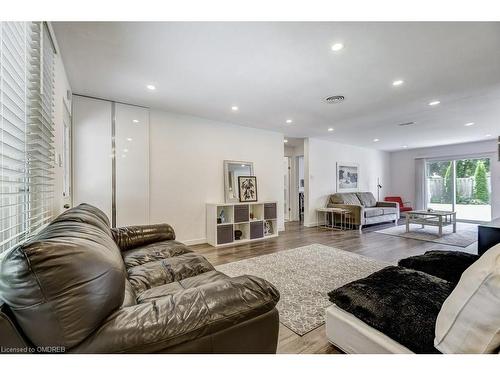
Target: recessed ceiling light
(488,135)
(125,150)
(434,102)
(469,124)
(337,47)
(376,140)
(243,165)
(135,121)
(151,87)
(129,139)
(289,121)
(330,129)
(285,140)
(407,123)
(234,108)
(398,82)
(404,146)
(335,99)
(124,156)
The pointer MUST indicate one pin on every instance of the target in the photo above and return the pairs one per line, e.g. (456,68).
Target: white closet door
(132,165)
(92,156)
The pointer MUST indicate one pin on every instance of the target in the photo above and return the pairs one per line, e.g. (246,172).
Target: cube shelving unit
(256,220)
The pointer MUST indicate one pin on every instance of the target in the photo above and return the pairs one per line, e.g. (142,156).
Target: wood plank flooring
(374,245)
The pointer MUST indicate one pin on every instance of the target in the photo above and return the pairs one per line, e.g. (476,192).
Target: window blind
(27,130)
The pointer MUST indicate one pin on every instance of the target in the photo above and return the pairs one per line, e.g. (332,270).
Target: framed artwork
(347,177)
(247,187)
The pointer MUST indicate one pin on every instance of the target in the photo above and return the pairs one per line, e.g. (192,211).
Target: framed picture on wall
(247,186)
(347,177)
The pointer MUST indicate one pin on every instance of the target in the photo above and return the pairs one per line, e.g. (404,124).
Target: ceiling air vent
(407,123)
(335,99)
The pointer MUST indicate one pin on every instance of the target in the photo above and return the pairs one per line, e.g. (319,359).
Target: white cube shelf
(256,220)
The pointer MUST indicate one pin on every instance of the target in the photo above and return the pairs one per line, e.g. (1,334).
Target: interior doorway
(286,176)
(300,187)
(293,174)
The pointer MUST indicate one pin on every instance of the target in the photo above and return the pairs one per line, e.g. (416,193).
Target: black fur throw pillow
(448,265)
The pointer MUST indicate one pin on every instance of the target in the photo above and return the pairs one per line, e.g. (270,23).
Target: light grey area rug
(466,234)
(304,276)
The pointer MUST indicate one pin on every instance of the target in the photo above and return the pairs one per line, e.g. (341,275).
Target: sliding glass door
(461,185)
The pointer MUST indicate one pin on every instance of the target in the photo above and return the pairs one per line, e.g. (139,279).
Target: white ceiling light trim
(337,47)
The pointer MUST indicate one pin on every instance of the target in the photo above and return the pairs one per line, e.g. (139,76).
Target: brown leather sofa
(81,287)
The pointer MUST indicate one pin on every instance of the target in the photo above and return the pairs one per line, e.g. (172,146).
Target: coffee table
(438,219)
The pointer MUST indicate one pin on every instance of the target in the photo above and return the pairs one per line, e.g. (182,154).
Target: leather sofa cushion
(152,274)
(345,198)
(188,315)
(401,303)
(64,282)
(367,199)
(373,211)
(153,252)
(176,286)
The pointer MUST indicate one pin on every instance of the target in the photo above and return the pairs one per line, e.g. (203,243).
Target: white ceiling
(276,71)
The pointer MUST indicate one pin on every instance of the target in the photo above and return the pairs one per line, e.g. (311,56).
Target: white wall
(403,167)
(61,88)
(320,158)
(186,168)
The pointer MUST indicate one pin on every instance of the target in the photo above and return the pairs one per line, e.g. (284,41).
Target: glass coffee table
(434,218)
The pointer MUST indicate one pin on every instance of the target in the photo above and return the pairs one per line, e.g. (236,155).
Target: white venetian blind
(26,132)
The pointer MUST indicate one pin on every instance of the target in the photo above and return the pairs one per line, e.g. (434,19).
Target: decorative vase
(237,234)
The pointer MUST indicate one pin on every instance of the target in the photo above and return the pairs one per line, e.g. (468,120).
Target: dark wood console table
(488,236)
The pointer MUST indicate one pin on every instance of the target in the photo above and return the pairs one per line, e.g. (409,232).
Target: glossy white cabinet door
(92,156)
(132,165)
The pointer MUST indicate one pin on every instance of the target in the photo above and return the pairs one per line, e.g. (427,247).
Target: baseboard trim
(310,225)
(198,241)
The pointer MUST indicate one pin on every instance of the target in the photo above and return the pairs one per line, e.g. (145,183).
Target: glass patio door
(440,181)
(473,189)
(461,185)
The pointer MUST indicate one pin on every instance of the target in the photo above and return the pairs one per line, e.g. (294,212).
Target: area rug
(466,234)
(303,277)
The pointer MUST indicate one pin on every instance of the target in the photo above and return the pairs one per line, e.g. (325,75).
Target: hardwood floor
(374,245)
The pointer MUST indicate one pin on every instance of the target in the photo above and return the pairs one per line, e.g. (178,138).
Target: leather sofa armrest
(11,340)
(355,209)
(139,235)
(184,316)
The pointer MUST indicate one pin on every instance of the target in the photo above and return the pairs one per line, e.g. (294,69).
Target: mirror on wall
(233,169)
